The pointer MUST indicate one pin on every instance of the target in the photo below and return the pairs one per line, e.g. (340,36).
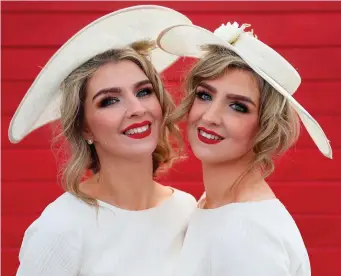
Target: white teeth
(137,130)
(209,136)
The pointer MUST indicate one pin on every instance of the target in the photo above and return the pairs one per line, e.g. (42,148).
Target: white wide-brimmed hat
(41,103)
(188,40)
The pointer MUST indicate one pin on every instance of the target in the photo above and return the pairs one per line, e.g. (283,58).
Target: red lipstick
(207,140)
(138,135)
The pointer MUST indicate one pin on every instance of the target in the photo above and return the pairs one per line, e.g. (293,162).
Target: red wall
(307,33)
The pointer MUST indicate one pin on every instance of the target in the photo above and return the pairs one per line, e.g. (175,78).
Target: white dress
(243,239)
(70,238)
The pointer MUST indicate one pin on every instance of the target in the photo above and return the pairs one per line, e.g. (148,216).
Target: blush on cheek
(103,122)
(157,109)
(104,125)
(194,113)
(254,125)
(158,113)
(249,132)
(242,128)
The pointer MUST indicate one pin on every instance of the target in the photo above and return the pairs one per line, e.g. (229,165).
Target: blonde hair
(83,156)
(279,125)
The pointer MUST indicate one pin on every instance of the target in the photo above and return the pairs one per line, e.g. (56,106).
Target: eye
(108,101)
(144,92)
(203,96)
(239,107)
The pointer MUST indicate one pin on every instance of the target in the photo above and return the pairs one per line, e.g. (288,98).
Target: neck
(223,183)
(126,183)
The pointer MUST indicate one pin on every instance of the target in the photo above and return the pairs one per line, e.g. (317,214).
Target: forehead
(123,74)
(237,81)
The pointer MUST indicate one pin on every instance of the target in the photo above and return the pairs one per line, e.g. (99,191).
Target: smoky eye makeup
(144,91)
(239,107)
(110,99)
(203,95)
(107,101)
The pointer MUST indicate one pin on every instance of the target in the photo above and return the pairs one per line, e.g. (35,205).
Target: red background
(308,34)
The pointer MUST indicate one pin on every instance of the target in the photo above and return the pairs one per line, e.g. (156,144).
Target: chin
(210,159)
(205,155)
(212,156)
(144,149)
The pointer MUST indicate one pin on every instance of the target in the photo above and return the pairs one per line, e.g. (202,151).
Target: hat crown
(260,55)
(231,32)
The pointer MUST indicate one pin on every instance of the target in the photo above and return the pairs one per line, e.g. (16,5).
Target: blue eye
(239,107)
(144,92)
(203,96)
(108,101)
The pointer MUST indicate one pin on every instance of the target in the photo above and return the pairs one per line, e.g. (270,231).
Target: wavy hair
(83,157)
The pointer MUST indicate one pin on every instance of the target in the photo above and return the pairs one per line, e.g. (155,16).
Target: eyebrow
(118,89)
(230,96)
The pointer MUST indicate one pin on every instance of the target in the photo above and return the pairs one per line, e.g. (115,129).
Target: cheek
(104,121)
(154,108)
(243,128)
(195,113)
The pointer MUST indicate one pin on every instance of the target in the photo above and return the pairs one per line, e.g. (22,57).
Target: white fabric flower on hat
(231,32)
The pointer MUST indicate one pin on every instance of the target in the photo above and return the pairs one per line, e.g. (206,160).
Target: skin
(228,106)
(114,101)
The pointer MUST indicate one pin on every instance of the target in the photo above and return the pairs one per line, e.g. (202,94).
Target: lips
(208,136)
(138,130)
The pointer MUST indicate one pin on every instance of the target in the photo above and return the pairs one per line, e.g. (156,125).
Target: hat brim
(41,103)
(187,40)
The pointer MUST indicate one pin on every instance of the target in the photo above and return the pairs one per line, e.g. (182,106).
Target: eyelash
(148,91)
(201,94)
(113,100)
(237,106)
(108,101)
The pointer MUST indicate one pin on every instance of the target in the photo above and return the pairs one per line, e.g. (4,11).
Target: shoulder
(62,217)
(181,205)
(246,246)
(184,199)
(53,240)
(252,239)
(255,221)
(250,230)
(65,212)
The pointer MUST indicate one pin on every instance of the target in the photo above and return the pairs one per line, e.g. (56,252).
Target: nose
(212,115)
(134,107)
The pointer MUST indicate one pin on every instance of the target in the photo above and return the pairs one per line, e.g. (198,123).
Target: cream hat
(41,104)
(187,40)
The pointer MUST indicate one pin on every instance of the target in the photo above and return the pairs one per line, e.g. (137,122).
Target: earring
(90,142)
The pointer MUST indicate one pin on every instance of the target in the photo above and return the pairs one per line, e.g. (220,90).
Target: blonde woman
(112,107)
(240,115)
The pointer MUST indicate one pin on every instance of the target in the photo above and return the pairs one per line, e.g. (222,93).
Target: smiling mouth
(209,138)
(139,132)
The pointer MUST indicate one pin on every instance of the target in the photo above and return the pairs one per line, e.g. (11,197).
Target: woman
(113,107)
(240,115)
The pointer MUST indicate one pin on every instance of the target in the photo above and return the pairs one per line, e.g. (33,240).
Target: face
(223,120)
(122,113)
